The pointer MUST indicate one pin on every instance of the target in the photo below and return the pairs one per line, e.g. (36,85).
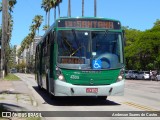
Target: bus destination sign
(89,23)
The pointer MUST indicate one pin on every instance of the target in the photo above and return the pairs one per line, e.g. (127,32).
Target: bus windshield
(89,49)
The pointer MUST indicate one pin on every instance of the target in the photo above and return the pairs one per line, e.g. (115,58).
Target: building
(16,59)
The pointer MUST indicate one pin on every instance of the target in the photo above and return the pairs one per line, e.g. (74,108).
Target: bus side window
(48,45)
(44,48)
(52,40)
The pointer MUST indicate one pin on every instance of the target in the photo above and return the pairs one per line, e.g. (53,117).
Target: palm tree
(46,6)
(11,4)
(33,29)
(58,2)
(82,8)
(6,39)
(95,8)
(54,4)
(45,27)
(38,19)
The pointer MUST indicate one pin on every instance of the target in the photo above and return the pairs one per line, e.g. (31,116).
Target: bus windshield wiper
(77,43)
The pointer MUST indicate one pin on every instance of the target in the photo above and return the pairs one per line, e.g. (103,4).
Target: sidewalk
(16,96)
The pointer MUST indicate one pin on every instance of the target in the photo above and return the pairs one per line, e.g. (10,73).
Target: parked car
(13,70)
(126,73)
(143,75)
(131,74)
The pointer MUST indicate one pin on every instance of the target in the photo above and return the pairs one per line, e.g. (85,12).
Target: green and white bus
(81,57)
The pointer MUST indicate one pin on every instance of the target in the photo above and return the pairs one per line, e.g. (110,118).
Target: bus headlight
(59,74)
(61,77)
(121,75)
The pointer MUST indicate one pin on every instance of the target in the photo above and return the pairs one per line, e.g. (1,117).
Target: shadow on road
(73,101)
(6,107)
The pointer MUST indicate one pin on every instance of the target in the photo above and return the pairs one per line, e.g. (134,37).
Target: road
(139,95)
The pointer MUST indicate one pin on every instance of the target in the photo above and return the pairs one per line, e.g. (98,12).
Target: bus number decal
(74,77)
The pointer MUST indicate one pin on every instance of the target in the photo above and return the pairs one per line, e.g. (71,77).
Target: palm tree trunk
(95,8)
(82,8)
(59,11)
(69,8)
(4,35)
(49,18)
(55,13)
(46,19)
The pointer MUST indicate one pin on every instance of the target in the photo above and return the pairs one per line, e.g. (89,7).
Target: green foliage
(36,23)
(142,49)
(11,4)
(21,67)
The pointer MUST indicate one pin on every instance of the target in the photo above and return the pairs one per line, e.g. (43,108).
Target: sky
(137,14)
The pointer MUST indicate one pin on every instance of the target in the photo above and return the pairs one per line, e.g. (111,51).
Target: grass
(2,98)
(11,77)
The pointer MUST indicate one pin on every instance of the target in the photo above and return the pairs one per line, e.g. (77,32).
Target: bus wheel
(47,83)
(39,87)
(102,97)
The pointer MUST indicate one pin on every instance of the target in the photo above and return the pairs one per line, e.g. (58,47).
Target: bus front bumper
(67,89)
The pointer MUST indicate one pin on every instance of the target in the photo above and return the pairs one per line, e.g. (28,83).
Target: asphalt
(16,96)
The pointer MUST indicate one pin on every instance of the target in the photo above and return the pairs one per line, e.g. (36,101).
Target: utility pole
(4,34)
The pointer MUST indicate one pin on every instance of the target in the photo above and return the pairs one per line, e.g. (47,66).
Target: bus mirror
(124,37)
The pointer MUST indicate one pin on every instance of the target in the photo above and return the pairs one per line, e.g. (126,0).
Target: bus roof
(102,18)
(107,25)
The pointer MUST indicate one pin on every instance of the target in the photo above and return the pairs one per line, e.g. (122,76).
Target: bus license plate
(91,90)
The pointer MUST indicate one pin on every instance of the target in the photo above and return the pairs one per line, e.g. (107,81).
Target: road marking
(141,107)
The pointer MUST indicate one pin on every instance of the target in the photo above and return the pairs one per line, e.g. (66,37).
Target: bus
(81,56)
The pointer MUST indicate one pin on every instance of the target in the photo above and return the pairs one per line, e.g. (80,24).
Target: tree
(37,21)
(45,27)
(54,4)
(29,40)
(132,35)
(46,6)
(11,62)
(157,23)
(142,49)
(58,3)
(7,30)
(11,4)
